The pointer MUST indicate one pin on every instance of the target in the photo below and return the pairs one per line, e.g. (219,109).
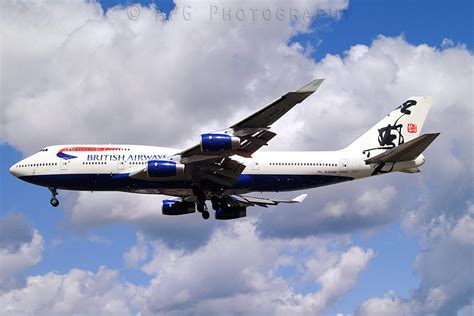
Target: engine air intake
(164,168)
(219,142)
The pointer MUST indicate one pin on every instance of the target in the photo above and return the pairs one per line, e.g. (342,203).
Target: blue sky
(71,244)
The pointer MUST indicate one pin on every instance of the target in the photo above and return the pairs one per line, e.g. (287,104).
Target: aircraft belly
(122,182)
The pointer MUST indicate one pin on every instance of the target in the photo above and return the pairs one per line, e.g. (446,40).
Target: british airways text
(124,157)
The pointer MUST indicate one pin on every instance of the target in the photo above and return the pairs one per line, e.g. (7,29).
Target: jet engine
(219,142)
(173,207)
(231,212)
(164,168)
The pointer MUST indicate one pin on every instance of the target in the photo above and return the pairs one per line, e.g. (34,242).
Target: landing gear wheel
(199,193)
(205,215)
(201,208)
(215,202)
(54,202)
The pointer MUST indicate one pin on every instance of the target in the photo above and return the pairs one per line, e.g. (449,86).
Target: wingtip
(300,198)
(312,86)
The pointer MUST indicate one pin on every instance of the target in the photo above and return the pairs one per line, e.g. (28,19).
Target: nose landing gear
(54,201)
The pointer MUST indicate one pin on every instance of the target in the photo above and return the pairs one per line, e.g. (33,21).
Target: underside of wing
(249,145)
(245,201)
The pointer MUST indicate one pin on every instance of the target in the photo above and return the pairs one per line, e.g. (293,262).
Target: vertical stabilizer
(400,126)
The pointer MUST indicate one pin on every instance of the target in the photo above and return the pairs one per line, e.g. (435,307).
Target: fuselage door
(343,166)
(120,165)
(63,164)
(255,165)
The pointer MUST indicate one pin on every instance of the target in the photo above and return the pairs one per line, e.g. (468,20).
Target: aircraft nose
(14,171)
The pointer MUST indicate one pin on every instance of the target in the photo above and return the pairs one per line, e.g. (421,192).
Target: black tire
(205,215)
(201,207)
(54,202)
(215,202)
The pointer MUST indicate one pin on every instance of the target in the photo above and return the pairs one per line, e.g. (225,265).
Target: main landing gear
(201,203)
(202,208)
(54,201)
(205,213)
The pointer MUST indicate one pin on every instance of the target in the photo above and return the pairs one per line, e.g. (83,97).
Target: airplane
(225,166)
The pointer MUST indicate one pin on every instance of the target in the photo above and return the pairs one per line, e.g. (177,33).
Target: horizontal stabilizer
(405,152)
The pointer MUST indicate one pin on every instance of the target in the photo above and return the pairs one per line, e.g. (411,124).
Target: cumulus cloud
(21,247)
(90,68)
(77,292)
(181,279)
(445,265)
(14,231)
(236,271)
(388,305)
(137,253)
(112,79)
(91,210)
(329,212)
(334,282)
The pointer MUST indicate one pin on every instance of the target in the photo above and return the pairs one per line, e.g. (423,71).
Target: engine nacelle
(219,142)
(231,212)
(164,168)
(173,207)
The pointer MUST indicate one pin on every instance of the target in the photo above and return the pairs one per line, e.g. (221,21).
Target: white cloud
(90,69)
(334,283)
(137,253)
(236,271)
(463,231)
(445,267)
(110,79)
(76,292)
(388,305)
(14,231)
(14,263)
(236,265)
(358,208)
(142,211)
(21,247)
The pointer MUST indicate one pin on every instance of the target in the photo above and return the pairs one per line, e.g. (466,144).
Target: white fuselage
(106,168)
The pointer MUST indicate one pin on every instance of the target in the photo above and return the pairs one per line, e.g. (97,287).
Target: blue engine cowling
(231,212)
(173,207)
(219,142)
(164,168)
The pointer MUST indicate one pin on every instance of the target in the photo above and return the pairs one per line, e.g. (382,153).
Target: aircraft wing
(253,133)
(271,113)
(250,144)
(245,201)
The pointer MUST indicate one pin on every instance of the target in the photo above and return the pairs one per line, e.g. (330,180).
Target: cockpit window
(44,149)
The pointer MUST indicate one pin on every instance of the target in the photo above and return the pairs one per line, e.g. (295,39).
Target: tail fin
(400,126)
